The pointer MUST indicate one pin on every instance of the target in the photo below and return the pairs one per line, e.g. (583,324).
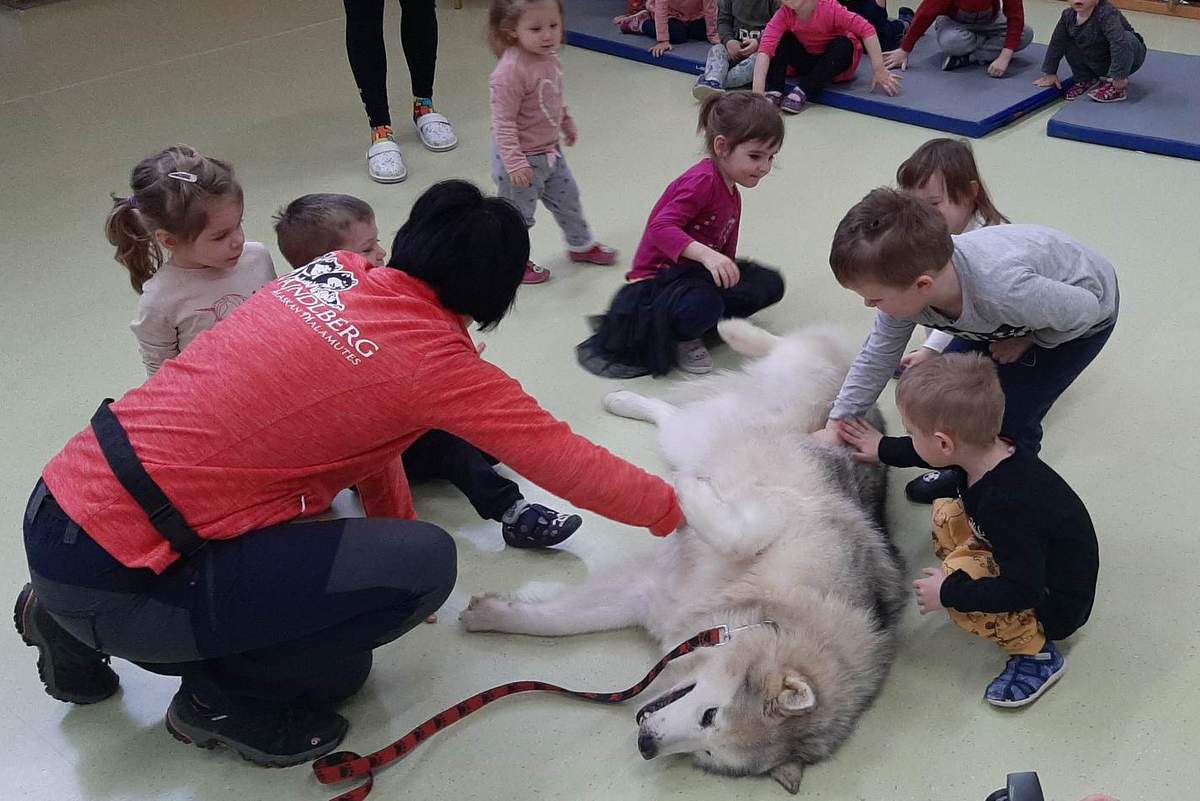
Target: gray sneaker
(693,357)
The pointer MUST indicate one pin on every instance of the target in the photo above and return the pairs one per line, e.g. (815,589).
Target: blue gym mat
(965,101)
(1161,114)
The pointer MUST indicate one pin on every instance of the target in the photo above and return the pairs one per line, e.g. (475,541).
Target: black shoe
(71,671)
(954,62)
(905,15)
(275,736)
(935,484)
(539,527)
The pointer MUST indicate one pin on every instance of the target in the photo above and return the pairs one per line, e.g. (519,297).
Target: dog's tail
(746,338)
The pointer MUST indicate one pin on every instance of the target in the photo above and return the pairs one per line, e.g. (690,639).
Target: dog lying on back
(784,538)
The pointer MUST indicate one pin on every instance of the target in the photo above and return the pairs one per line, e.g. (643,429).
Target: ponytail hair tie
(186,177)
(132,201)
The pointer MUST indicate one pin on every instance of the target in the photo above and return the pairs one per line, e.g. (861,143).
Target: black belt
(128,468)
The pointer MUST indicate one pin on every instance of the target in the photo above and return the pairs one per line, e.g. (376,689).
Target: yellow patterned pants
(959,549)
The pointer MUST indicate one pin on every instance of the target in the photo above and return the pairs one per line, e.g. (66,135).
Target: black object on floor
(1020,787)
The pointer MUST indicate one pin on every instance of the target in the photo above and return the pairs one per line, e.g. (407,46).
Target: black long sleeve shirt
(1041,537)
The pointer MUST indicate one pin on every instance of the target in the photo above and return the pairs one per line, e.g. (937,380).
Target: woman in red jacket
(165,532)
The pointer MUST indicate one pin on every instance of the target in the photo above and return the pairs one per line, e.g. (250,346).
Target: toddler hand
(1120,83)
(929,590)
(889,82)
(660,48)
(724,270)
(432,618)
(522,177)
(828,437)
(1000,66)
(863,437)
(1047,80)
(1007,351)
(917,356)
(570,138)
(749,48)
(734,48)
(895,59)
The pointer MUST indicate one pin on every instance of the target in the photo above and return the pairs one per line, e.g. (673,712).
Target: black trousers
(814,71)
(437,455)
(280,614)
(368,55)
(679,31)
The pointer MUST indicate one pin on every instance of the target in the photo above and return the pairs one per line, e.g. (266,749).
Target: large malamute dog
(780,533)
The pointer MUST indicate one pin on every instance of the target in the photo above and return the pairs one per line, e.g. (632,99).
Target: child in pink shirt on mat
(823,42)
(673,22)
(529,117)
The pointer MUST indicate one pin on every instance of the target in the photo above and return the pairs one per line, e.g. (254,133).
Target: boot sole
(194,735)
(33,637)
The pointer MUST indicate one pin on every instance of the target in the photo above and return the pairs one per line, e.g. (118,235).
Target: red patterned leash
(344,765)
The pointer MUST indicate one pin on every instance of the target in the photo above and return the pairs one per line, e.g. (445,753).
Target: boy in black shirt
(1019,552)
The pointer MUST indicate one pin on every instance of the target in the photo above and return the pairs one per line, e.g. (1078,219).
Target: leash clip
(725,634)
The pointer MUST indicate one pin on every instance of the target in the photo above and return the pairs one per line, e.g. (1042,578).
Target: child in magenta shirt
(823,42)
(673,22)
(529,117)
(684,277)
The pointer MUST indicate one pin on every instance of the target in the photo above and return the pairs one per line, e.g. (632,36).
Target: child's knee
(698,311)
(1026,38)
(955,41)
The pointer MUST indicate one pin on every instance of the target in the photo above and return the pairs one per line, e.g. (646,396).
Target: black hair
(470,248)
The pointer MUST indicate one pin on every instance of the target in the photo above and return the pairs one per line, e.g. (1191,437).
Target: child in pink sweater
(673,22)
(823,42)
(529,118)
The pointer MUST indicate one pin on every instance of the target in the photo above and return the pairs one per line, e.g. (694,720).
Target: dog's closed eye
(707,718)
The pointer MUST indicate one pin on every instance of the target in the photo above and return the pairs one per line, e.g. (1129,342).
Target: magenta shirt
(829,21)
(695,207)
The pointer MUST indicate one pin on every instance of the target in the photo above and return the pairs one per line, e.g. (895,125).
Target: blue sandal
(1025,678)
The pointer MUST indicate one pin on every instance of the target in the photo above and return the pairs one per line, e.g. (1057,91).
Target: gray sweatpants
(553,185)
(976,35)
(717,68)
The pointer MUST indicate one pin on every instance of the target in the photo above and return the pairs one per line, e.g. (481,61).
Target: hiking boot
(954,62)
(274,736)
(1106,92)
(693,357)
(928,487)
(1079,89)
(71,671)
(1025,678)
(537,526)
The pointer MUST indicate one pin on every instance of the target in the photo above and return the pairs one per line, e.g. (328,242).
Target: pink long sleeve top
(829,21)
(529,115)
(686,11)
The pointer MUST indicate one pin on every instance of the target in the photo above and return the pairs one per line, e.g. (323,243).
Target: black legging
(813,71)
(368,55)
(284,613)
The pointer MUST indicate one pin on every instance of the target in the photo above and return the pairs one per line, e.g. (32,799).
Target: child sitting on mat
(823,42)
(313,225)
(968,32)
(672,22)
(890,31)
(730,65)
(684,277)
(1018,549)
(1102,48)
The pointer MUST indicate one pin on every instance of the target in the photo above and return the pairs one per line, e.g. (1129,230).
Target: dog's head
(770,701)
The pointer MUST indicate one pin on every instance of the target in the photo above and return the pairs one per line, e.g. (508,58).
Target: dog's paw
(624,403)
(485,613)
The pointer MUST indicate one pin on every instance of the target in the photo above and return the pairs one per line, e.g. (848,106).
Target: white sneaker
(693,357)
(384,163)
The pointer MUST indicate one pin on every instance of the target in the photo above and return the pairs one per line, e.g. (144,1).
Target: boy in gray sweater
(730,64)
(1036,301)
(1102,48)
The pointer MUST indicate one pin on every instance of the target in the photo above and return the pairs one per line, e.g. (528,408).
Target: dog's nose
(648,746)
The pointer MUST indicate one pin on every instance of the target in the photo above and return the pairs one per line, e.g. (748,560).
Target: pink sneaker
(631,23)
(535,274)
(596,254)
(1078,89)
(1107,92)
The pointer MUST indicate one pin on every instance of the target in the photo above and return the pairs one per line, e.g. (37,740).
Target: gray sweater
(1016,280)
(743,19)
(1103,38)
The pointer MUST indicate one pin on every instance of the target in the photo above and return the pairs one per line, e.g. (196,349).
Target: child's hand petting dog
(929,590)
(863,437)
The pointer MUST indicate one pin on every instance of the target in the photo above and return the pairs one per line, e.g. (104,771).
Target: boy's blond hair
(313,225)
(957,394)
(889,237)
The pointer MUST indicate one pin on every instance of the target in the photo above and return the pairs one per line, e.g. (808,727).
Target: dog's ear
(797,695)
(789,775)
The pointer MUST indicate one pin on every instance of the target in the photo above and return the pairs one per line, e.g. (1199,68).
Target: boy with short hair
(1018,549)
(313,225)
(1041,304)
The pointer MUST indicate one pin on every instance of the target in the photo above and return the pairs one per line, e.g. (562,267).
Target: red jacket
(930,10)
(317,382)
